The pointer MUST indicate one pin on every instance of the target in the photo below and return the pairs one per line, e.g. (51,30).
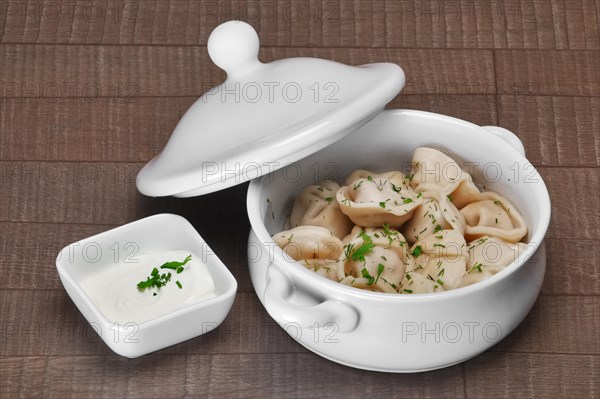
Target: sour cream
(113,289)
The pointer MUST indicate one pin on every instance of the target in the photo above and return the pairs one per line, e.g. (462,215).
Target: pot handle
(330,312)
(507,136)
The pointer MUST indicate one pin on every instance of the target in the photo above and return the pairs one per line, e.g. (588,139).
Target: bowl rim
(82,296)
(297,270)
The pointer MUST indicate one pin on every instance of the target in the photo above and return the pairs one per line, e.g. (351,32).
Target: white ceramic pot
(399,333)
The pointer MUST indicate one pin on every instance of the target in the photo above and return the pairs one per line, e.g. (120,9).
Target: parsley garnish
(407,200)
(365,273)
(437,228)
(498,203)
(396,188)
(380,269)
(160,280)
(417,251)
(476,266)
(360,252)
(329,199)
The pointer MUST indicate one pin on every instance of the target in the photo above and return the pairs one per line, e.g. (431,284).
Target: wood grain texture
(136,129)
(558,131)
(215,376)
(90,91)
(54,326)
(533,24)
(529,376)
(130,71)
(111,197)
(570,73)
(572,267)
(24,244)
(573,193)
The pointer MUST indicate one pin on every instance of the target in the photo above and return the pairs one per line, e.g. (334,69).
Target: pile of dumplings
(430,231)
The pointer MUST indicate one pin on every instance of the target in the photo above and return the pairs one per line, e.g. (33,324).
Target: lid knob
(233,46)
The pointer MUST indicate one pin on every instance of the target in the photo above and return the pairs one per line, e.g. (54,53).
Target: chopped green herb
(157,280)
(329,199)
(440,281)
(365,248)
(380,269)
(417,251)
(437,228)
(365,273)
(382,204)
(449,197)
(408,291)
(369,178)
(178,284)
(357,186)
(174,265)
(476,266)
(396,188)
(498,203)
(437,244)
(407,200)
(419,195)
(439,237)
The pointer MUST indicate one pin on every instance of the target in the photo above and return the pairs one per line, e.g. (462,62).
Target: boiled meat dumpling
(373,200)
(323,267)
(489,255)
(492,254)
(317,206)
(433,215)
(493,216)
(472,278)
(434,170)
(442,258)
(375,258)
(415,283)
(309,242)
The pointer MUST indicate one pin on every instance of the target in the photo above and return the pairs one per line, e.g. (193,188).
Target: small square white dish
(80,263)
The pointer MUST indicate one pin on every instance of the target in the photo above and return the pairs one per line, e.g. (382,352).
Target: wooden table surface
(90,91)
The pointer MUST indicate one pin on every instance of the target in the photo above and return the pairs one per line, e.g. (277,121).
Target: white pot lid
(264,116)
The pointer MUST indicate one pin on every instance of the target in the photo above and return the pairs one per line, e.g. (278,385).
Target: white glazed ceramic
(264,116)
(399,333)
(164,232)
